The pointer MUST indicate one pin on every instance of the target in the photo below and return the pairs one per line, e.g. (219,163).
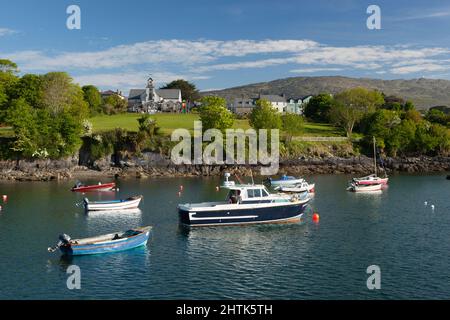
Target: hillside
(424,93)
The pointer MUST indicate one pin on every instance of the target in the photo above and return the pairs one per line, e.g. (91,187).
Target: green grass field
(6,132)
(169,122)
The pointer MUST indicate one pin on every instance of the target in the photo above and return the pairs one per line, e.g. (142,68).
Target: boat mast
(374,156)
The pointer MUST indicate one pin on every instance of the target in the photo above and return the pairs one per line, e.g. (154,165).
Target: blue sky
(224,43)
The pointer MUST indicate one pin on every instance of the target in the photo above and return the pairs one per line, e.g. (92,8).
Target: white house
(152,100)
(278,102)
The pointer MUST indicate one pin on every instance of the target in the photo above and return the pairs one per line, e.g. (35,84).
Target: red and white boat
(373,179)
(370,180)
(96,187)
(354,187)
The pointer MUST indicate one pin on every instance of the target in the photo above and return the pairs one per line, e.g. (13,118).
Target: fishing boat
(113,242)
(285,181)
(79,187)
(355,187)
(372,179)
(112,205)
(298,188)
(244,204)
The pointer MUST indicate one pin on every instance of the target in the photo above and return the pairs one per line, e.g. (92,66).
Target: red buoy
(316,217)
(181,188)
(5,198)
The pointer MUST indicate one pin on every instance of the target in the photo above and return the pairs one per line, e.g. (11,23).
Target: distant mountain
(424,93)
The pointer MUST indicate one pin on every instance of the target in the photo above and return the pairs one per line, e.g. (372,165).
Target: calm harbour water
(328,260)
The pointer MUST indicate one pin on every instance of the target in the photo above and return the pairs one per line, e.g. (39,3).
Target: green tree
(264,116)
(214,113)
(437,116)
(93,98)
(442,135)
(189,91)
(30,88)
(8,78)
(351,105)
(61,94)
(293,124)
(318,107)
(114,104)
(7,66)
(21,116)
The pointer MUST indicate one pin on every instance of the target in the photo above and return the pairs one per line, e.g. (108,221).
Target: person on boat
(235,197)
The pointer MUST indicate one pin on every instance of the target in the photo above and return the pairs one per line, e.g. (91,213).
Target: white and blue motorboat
(245,204)
(285,181)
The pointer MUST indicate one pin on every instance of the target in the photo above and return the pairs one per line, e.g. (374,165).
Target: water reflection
(113,221)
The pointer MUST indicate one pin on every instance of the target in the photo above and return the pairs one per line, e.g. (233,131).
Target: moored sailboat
(372,179)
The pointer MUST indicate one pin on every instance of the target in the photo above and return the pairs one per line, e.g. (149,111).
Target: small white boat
(298,188)
(285,181)
(130,203)
(372,179)
(354,187)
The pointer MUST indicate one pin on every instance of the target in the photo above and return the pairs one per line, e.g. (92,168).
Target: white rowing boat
(130,203)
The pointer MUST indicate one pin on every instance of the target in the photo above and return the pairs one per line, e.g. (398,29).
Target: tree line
(399,128)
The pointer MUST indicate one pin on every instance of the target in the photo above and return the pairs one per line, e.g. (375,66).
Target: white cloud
(313,70)
(425,15)
(129,65)
(428,67)
(6,32)
(182,52)
(128,80)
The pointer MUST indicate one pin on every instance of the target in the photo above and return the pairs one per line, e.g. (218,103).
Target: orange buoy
(217,188)
(316,217)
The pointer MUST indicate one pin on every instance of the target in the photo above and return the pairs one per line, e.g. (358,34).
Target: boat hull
(366,188)
(274,214)
(108,246)
(310,188)
(98,187)
(288,182)
(112,205)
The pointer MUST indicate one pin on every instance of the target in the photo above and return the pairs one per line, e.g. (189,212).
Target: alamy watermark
(74,280)
(235,149)
(374,20)
(374,280)
(74,20)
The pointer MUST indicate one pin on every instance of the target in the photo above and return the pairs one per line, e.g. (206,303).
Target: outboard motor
(64,239)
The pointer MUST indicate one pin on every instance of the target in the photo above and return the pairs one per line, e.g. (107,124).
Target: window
(254,193)
(264,193)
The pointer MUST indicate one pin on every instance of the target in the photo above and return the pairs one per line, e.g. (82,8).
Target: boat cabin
(240,194)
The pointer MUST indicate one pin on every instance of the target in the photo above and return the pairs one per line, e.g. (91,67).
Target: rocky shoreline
(153,165)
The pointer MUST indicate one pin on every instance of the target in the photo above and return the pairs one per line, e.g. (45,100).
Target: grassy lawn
(168,122)
(321,130)
(6,132)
